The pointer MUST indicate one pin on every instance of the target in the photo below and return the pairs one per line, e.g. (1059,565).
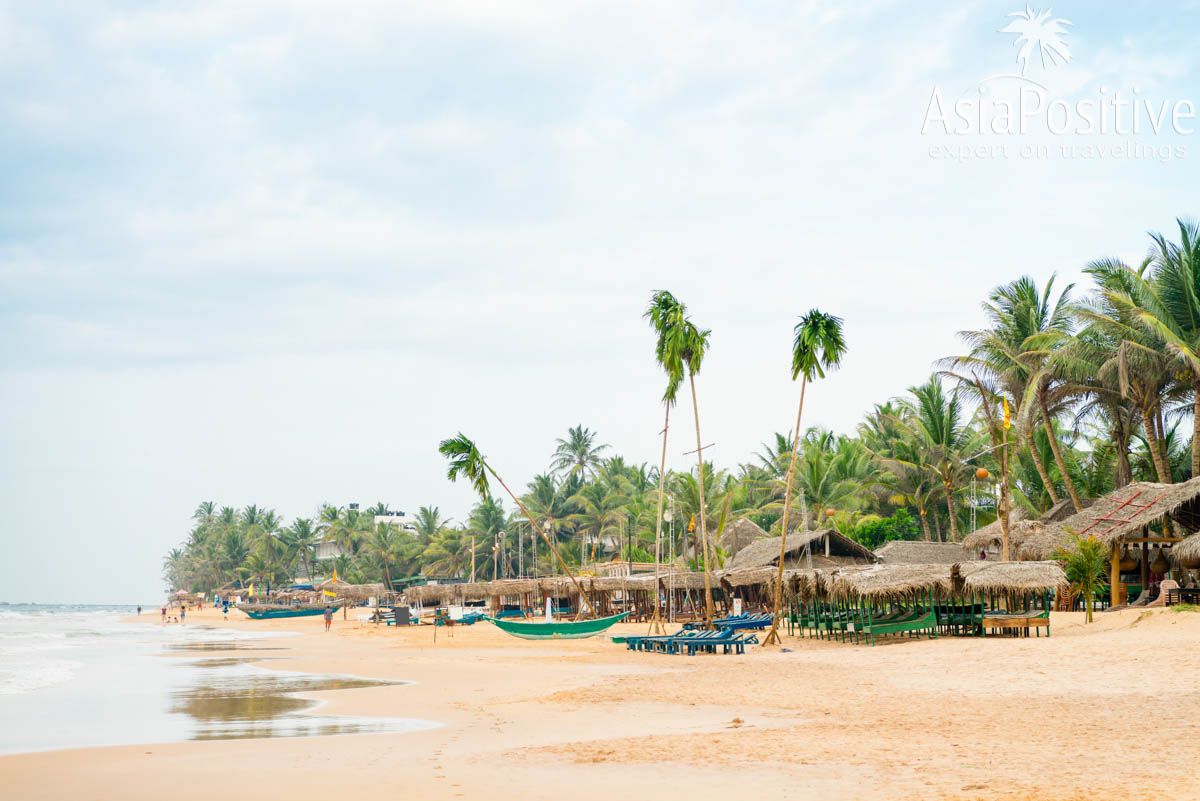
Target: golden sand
(1110,710)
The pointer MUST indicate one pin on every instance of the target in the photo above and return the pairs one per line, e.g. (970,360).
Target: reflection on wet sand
(235,701)
(222,645)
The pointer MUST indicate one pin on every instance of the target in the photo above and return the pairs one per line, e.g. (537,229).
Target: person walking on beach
(328,616)
(164,614)
(139,609)
(182,614)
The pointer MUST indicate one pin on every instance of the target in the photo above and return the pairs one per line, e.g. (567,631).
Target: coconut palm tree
(818,345)
(467,462)
(1171,310)
(1125,351)
(300,538)
(429,521)
(665,313)
(684,346)
(578,453)
(1085,564)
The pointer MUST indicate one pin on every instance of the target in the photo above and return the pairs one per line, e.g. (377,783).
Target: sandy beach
(1071,716)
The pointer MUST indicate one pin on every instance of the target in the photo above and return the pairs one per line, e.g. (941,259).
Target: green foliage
(900,525)
(1085,563)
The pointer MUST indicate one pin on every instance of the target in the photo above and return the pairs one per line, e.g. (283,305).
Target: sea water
(80,676)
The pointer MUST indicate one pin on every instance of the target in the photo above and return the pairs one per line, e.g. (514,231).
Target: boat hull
(569,630)
(274,614)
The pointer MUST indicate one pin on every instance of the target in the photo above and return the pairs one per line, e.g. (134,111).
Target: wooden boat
(564,630)
(275,611)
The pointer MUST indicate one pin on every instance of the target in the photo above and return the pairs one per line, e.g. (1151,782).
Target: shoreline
(586,717)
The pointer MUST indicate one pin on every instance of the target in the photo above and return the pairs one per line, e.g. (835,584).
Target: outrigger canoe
(564,630)
(272,612)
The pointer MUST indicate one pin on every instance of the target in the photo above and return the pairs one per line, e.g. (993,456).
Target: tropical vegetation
(1068,392)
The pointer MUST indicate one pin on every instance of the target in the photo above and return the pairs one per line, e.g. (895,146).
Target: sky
(273,252)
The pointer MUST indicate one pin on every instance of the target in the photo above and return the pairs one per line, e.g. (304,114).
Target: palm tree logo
(1039,31)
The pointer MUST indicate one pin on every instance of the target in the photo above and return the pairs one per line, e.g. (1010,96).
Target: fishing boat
(564,630)
(275,611)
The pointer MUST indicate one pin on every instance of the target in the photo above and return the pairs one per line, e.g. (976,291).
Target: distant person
(139,609)
(328,616)
(982,554)
(164,614)
(225,612)
(182,614)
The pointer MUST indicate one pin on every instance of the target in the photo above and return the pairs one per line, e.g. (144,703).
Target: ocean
(76,676)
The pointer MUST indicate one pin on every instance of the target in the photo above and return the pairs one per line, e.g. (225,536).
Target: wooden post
(1114,577)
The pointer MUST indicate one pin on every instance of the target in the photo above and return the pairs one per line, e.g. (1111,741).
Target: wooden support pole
(1114,577)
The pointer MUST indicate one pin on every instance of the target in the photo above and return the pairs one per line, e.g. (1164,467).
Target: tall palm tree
(578,453)
(299,539)
(429,521)
(818,345)
(467,462)
(1127,353)
(1172,309)
(939,422)
(684,348)
(664,313)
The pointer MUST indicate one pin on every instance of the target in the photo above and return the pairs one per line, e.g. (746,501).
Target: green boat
(566,630)
(275,611)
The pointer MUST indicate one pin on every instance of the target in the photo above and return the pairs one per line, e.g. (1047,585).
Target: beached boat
(274,611)
(564,630)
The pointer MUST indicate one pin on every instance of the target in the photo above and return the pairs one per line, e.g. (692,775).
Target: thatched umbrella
(889,582)
(1015,577)
(432,594)
(1187,553)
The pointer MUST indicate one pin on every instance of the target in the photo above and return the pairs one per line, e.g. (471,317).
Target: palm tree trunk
(1152,445)
(950,510)
(772,637)
(708,598)
(539,530)
(1057,451)
(1196,426)
(656,624)
(1041,466)
(924,515)
(1120,440)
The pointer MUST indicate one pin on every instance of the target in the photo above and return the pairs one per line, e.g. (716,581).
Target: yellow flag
(335,574)
(251,590)
(1007,421)
(329,594)
(691,524)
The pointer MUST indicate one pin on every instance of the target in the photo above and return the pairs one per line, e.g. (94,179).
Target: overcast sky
(272,252)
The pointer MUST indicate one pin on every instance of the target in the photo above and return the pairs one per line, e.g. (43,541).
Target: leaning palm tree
(466,461)
(818,345)
(664,312)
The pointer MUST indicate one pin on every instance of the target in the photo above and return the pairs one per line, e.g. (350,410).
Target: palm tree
(665,312)
(578,453)
(1172,310)
(683,347)
(818,345)
(601,512)
(299,539)
(384,545)
(1124,351)
(429,521)
(938,422)
(1085,564)
(466,461)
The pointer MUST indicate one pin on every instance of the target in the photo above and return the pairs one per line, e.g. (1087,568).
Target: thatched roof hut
(1186,552)
(1014,576)
(740,533)
(827,547)
(749,576)
(512,587)
(1127,512)
(913,552)
(608,583)
(433,594)
(351,592)
(990,536)
(888,582)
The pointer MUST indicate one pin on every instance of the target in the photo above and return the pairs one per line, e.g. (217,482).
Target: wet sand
(1107,711)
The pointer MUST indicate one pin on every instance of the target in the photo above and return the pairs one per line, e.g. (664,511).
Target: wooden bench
(1018,622)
